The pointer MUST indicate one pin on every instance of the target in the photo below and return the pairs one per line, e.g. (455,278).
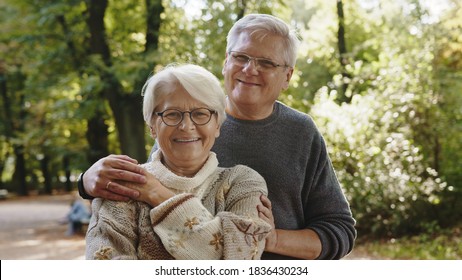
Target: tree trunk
(127,111)
(242,6)
(46,174)
(97,137)
(126,108)
(342,54)
(67,171)
(14,125)
(154,9)
(97,130)
(7,121)
(19,175)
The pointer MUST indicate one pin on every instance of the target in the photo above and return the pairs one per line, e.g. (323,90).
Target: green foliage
(434,244)
(383,143)
(381,170)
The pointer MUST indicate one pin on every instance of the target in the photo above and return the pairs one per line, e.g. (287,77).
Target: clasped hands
(121,178)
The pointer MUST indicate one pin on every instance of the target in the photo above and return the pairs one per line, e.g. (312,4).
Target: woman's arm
(112,233)
(189,231)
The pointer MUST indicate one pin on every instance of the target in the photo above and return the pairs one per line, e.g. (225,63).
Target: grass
(444,244)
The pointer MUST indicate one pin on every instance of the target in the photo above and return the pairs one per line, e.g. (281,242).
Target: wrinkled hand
(109,178)
(266,214)
(153,192)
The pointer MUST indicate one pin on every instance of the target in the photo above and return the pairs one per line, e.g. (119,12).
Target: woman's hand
(153,192)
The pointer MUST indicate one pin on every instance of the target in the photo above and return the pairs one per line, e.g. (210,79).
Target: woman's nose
(187,123)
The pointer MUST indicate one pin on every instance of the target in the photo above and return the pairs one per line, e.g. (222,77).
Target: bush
(389,187)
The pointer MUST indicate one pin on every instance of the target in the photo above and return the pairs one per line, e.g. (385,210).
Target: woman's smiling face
(185,147)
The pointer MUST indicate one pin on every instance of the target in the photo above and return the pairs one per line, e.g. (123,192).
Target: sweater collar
(173,181)
(266,121)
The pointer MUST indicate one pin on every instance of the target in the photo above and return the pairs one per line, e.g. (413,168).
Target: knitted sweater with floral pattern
(212,216)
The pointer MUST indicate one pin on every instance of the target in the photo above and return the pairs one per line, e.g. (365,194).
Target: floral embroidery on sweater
(217,241)
(190,223)
(253,234)
(104,253)
(180,241)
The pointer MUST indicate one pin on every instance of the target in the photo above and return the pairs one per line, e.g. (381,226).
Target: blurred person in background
(78,216)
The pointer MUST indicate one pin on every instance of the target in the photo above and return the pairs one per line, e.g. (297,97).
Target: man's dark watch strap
(82,192)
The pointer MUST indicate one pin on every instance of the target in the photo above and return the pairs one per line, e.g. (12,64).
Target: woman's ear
(153,132)
(217,133)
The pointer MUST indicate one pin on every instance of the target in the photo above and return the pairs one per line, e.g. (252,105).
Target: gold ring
(107,185)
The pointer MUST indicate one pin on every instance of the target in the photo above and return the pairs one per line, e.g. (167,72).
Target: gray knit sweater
(212,216)
(289,152)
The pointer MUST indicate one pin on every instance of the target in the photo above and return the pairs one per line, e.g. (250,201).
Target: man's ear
(288,77)
(224,64)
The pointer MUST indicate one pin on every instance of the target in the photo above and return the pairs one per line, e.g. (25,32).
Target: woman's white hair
(197,81)
(260,25)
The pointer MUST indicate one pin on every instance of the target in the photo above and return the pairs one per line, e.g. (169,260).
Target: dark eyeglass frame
(161,115)
(262,64)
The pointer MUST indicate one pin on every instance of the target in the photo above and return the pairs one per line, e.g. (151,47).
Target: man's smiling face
(248,87)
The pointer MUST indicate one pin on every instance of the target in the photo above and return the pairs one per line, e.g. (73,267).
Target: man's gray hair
(260,25)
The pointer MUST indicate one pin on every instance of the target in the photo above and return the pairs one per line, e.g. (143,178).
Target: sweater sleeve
(330,215)
(189,231)
(112,232)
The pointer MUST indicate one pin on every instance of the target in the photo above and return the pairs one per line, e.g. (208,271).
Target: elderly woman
(189,208)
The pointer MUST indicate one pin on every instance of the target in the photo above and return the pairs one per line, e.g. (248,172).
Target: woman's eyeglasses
(173,117)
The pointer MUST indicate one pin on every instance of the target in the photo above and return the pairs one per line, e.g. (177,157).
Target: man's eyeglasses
(262,64)
(173,117)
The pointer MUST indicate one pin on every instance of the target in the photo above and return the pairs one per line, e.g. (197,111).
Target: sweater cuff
(187,229)
(159,213)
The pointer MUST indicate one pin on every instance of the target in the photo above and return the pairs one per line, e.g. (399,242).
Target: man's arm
(106,178)
(302,244)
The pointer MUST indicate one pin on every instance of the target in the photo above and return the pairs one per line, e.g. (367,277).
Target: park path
(30,229)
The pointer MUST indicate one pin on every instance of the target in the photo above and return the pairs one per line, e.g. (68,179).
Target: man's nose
(251,66)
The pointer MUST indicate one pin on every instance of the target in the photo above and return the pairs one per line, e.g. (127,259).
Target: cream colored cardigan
(212,216)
